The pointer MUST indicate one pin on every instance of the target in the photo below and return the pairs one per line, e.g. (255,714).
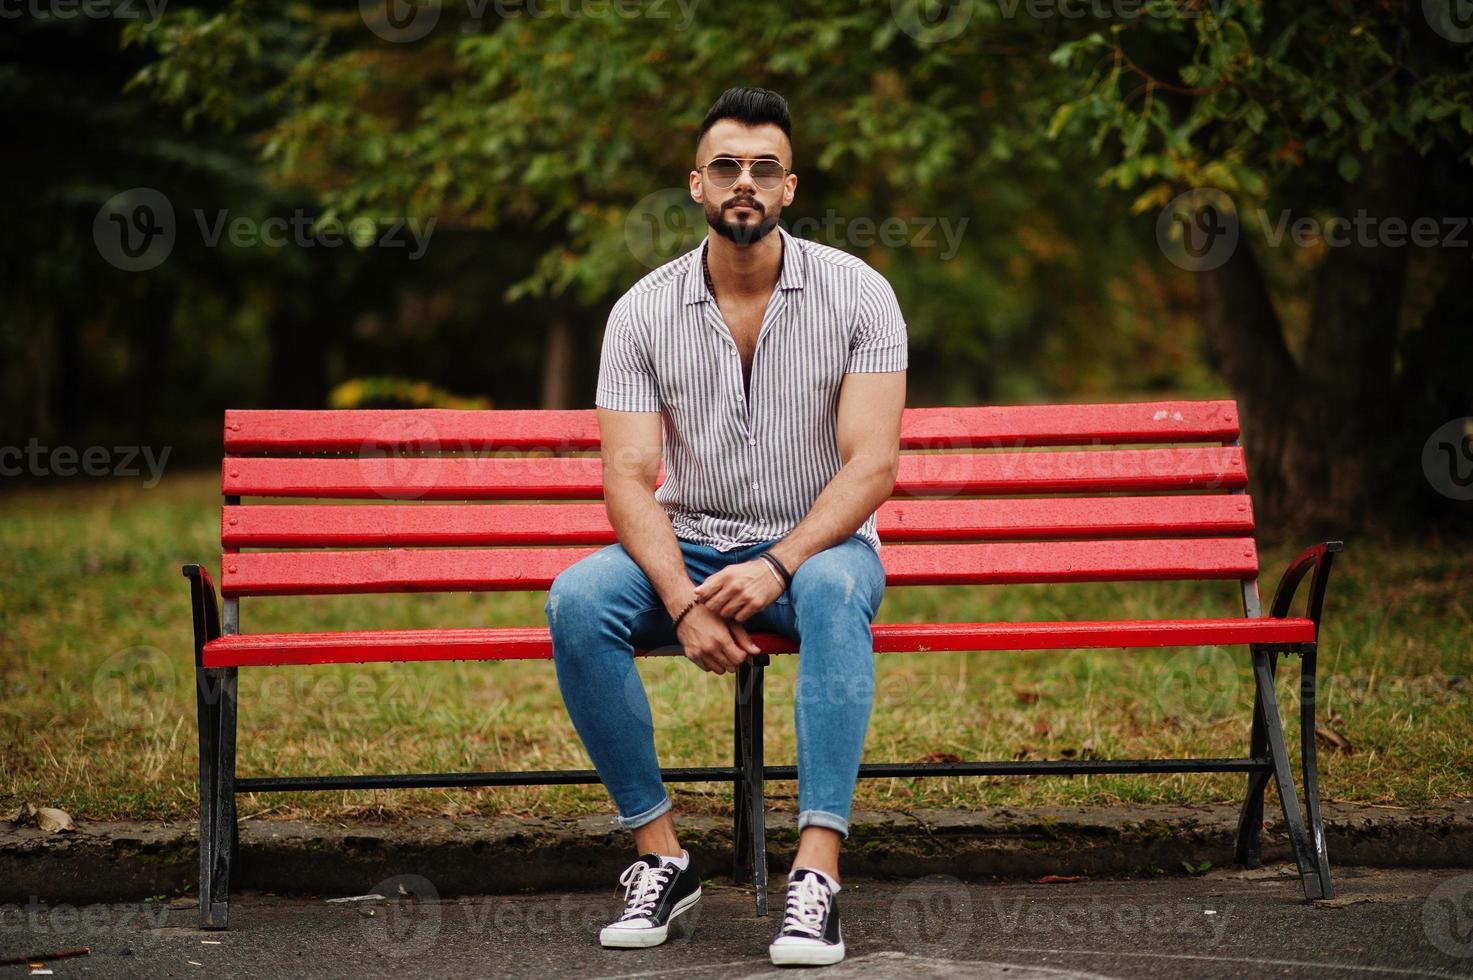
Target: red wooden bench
(1152,490)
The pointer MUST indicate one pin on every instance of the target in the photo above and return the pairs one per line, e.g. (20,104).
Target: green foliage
(555,132)
(1251,98)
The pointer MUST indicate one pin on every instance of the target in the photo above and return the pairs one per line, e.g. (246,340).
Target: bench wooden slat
(359,430)
(534,643)
(400,525)
(528,569)
(563,478)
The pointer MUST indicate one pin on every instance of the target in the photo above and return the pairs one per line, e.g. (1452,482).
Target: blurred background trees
(550,145)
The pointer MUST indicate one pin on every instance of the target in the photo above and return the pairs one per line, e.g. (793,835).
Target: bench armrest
(205,605)
(1317,557)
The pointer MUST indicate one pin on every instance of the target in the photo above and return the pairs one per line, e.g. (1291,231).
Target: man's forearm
(643,528)
(855,492)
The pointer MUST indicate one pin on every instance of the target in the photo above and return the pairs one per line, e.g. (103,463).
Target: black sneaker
(654,894)
(810,934)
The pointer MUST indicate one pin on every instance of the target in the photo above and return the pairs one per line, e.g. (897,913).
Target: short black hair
(750,107)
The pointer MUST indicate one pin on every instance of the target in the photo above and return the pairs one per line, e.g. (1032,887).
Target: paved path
(1230,923)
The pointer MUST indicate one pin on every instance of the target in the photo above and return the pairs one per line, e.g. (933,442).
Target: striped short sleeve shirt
(743,467)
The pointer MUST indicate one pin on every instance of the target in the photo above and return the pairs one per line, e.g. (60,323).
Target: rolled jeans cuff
(640,819)
(822,818)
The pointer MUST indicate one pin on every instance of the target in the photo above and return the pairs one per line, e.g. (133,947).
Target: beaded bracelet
(683,612)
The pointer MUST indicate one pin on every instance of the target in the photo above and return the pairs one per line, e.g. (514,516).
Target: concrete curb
(102,861)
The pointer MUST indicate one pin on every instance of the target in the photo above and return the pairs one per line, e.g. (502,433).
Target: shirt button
(751,442)
(754,486)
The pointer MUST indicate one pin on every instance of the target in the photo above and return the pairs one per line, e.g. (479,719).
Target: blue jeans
(602,607)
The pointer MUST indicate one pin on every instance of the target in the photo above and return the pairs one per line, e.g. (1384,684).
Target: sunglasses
(724,171)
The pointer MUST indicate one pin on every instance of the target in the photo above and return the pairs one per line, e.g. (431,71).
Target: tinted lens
(767,173)
(724,172)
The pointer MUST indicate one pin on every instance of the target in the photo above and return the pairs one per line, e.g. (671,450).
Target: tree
(1355,118)
(1047,126)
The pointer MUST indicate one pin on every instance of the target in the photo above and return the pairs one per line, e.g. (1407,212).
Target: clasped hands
(712,632)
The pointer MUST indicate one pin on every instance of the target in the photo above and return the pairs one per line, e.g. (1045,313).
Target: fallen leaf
(52,820)
(23,814)
(1057,879)
(1025,697)
(1040,728)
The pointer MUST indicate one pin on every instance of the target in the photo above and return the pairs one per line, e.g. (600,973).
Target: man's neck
(744,271)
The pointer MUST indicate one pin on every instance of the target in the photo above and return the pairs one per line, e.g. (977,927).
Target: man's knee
(593,582)
(846,575)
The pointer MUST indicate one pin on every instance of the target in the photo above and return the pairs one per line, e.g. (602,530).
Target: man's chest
(716,371)
(744,322)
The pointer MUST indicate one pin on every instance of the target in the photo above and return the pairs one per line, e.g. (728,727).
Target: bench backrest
(490,500)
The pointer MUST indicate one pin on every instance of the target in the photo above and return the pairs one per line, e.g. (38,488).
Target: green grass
(96,684)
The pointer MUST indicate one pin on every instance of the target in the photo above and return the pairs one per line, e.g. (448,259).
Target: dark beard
(740,234)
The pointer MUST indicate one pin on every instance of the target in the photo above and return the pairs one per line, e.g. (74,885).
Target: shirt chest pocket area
(698,378)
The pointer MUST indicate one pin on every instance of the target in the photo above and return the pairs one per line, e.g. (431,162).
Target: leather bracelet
(774,561)
(687,609)
(777,575)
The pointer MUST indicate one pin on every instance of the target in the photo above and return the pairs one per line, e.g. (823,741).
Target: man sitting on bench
(769,374)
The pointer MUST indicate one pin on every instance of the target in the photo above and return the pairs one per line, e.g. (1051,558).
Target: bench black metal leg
(1304,857)
(1319,853)
(741,841)
(1249,850)
(750,842)
(216,702)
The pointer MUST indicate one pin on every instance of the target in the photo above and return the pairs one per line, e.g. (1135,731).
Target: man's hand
(712,643)
(739,592)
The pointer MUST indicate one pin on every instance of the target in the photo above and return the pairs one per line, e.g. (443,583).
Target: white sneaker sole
(626,938)
(806,954)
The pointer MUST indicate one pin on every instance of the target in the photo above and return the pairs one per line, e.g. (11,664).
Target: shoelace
(808,902)
(642,886)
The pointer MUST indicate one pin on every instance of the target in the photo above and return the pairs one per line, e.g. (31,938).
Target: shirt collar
(789,277)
